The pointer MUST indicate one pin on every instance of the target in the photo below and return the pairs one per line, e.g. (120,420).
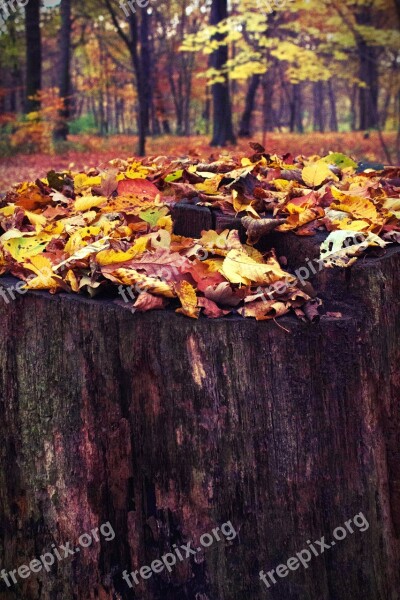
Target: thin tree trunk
(222,109)
(61,132)
(318,116)
(296,110)
(33,55)
(368,94)
(333,120)
(247,117)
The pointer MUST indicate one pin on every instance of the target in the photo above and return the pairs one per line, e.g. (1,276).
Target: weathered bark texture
(167,427)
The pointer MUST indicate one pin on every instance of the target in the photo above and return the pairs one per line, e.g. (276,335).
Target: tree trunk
(319,97)
(222,110)
(333,120)
(61,132)
(368,95)
(246,120)
(33,55)
(296,109)
(167,428)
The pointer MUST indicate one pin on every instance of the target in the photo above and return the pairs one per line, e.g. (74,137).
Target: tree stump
(167,427)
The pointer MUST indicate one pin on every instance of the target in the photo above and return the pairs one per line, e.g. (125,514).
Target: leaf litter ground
(103,230)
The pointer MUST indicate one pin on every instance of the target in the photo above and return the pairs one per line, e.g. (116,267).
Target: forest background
(84,82)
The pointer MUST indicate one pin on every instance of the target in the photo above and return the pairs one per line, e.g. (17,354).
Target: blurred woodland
(73,71)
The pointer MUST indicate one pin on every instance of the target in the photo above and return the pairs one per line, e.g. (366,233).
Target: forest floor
(92,151)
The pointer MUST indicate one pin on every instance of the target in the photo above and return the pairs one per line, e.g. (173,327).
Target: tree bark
(222,110)
(168,427)
(33,55)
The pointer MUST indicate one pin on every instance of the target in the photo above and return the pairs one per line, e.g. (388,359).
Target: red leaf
(138,187)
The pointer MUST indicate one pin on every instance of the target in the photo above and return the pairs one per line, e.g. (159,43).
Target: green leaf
(152,215)
(174,176)
(340,160)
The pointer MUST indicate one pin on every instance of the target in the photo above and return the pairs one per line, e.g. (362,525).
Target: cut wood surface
(167,427)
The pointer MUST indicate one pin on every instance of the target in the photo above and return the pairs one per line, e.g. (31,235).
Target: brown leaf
(257,228)
(211,310)
(146,302)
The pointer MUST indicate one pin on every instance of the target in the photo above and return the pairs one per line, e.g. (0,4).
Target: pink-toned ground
(93,151)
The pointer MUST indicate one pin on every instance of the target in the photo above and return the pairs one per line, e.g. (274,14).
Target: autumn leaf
(137,187)
(315,174)
(239,268)
(341,248)
(24,246)
(264,310)
(139,282)
(220,243)
(45,278)
(257,228)
(146,302)
(301,217)
(187,296)
(84,203)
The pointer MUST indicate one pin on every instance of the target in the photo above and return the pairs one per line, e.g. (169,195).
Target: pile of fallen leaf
(109,230)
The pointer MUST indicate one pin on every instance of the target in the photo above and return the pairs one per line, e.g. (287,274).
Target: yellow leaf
(353,225)
(77,239)
(141,283)
(83,182)
(24,246)
(7,211)
(240,268)
(165,223)
(111,257)
(282,184)
(297,218)
(136,171)
(357,207)
(45,277)
(314,175)
(210,186)
(87,202)
(187,296)
(239,205)
(72,280)
(39,221)
(3,263)
(220,243)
